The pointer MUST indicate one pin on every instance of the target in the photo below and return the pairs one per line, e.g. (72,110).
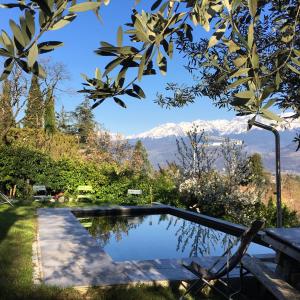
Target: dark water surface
(158,237)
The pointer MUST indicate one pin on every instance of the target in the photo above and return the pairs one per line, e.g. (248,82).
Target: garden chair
(40,193)
(84,193)
(206,276)
(4,199)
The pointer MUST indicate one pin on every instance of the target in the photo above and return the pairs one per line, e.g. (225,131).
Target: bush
(269,213)
(22,167)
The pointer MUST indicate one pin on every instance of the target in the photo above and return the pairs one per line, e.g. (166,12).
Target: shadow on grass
(7,218)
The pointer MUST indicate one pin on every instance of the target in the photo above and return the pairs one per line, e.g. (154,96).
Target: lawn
(17,232)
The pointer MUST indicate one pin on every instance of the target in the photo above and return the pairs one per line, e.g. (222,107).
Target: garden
(248,61)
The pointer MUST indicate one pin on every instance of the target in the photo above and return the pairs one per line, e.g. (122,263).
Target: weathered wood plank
(273,283)
(282,247)
(289,236)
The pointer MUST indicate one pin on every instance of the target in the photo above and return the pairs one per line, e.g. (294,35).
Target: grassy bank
(17,232)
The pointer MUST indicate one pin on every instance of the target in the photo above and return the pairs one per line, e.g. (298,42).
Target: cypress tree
(34,115)
(49,118)
(6,112)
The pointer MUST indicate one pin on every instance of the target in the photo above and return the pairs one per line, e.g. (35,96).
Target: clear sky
(82,37)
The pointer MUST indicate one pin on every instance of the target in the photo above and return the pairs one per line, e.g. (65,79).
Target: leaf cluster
(22,46)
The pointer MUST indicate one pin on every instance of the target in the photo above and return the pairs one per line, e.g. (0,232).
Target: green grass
(17,232)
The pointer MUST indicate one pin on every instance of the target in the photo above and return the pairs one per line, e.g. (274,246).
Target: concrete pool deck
(69,256)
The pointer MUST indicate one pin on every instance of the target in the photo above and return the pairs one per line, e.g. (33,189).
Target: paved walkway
(69,256)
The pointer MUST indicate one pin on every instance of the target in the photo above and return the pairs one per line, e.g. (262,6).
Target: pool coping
(69,256)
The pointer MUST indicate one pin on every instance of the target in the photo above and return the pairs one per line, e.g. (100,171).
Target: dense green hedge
(23,167)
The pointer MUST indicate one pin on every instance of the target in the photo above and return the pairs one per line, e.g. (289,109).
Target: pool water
(158,237)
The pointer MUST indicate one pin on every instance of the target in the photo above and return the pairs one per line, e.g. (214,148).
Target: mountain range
(160,141)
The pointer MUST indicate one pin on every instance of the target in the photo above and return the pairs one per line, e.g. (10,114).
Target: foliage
(6,114)
(49,118)
(22,167)
(257,174)
(64,121)
(253,52)
(57,145)
(269,213)
(250,63)
(19,166)
(140,162)
(84,121)
(35,106)
(253,49)
(37,18)
(235,194)
(165,185)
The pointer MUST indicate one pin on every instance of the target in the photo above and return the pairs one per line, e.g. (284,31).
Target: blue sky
(82,37)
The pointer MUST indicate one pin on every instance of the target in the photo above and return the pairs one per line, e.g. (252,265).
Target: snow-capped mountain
(160,141)
(237,126)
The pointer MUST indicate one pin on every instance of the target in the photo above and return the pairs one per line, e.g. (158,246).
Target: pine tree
(6,112)
(84,121)
(34,115)
(49,118)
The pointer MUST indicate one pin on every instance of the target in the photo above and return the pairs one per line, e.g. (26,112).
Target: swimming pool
(158,236)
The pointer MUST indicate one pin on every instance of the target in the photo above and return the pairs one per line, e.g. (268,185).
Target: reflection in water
(202,241)
(157,236)
(105,228)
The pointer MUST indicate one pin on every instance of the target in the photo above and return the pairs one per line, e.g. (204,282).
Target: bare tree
(236,163)
(194,154)
(19,85)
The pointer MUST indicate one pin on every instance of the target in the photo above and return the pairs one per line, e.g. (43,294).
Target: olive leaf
(217,35)
(270,115)
(66,20)
(32,55)
(244,94)
(30,24)
(120,36)
(8,43)
(85,6)
(252,7)
(156,4)
(17,32)
(119,102)
(138,90)
(8,65)
(48,46)
(292,68)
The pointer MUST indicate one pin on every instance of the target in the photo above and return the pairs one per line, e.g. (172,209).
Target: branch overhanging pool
(159,236)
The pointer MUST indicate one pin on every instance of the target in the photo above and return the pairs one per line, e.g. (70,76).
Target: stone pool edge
(69,256)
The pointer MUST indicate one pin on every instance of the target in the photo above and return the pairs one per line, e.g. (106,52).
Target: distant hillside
(160,142)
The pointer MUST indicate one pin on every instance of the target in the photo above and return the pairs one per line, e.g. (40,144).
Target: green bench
(84,193)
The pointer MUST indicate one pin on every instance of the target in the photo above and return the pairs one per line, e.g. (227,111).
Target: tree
(64,121)
(34,113)
(19,85)
(253,52)
(6,113)
(208,190)
(236,164)
(84,121)
(256,170)
(49,118)
(140,161)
